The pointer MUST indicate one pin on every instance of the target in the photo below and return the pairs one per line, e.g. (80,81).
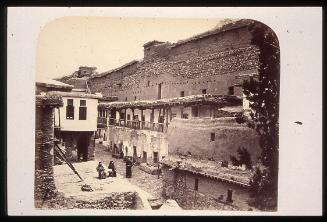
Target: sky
(105,42)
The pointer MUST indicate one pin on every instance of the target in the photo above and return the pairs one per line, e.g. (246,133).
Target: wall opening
(212,136)
(159,90)
(231,90)
(155,157)
(196,184)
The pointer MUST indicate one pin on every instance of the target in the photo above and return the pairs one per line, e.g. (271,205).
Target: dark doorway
(83,143)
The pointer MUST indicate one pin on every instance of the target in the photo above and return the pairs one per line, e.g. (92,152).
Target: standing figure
(129,164)
(101,171)
(112,169)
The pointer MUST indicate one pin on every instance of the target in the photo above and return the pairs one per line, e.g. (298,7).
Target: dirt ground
(145,181)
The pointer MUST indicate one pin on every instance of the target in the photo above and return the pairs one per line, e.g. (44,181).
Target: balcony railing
(102,121)
(141,125)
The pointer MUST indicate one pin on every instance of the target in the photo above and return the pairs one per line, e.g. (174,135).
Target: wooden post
(141,119)
(152,119)
(171,114)
(125,119)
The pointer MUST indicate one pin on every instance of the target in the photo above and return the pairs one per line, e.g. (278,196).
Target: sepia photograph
(157,114)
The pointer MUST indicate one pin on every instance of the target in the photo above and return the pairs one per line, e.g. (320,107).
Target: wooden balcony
(140,125)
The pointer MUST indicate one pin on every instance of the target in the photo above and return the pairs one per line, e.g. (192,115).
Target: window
(212,136)
(128,116)
(204,91)
(173,115)
(125,98)
(82,110)
(182,94)
(70,109)
(196,184)
(148,84)
(231,90)
(134,97)
(83,103)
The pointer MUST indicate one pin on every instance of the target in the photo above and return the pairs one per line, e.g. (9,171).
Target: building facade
(210,64)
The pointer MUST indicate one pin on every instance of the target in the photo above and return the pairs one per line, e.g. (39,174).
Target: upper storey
(208,63)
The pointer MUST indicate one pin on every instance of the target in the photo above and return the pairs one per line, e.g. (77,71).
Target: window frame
(70,109)
(82,106)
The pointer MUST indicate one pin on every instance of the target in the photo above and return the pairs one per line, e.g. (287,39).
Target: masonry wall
(194,136)
(44,182)
(143,140)
(208,193)
(209,63)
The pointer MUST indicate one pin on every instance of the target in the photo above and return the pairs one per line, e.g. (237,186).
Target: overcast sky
(106,43)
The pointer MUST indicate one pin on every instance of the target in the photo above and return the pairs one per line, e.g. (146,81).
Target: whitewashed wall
(90,124)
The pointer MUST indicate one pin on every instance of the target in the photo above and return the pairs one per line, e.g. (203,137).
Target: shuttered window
(70,109)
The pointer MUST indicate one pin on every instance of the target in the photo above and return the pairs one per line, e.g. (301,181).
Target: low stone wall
(149,169)
(114,200)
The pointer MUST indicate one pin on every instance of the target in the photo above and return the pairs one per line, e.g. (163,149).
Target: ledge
(206,99)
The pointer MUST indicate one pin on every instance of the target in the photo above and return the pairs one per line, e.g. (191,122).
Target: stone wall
(211,194)
(44,187)
(194,136)
(112,200)
(209,63)
(144,140)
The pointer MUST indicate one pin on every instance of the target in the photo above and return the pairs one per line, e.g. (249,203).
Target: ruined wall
(44,183)
(194,136)
(208,63)
(143,140)
(209,190)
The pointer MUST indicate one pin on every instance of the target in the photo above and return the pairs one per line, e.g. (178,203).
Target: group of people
(102,172)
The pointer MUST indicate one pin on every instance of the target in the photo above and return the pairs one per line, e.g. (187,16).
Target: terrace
(160,115)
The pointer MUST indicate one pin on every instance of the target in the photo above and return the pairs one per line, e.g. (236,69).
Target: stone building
(203,184)
(183,78)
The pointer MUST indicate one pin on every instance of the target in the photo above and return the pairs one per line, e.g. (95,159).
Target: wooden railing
(141,125)
(102,121)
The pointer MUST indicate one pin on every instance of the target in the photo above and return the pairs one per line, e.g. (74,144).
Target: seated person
(101,171)
(112,169)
